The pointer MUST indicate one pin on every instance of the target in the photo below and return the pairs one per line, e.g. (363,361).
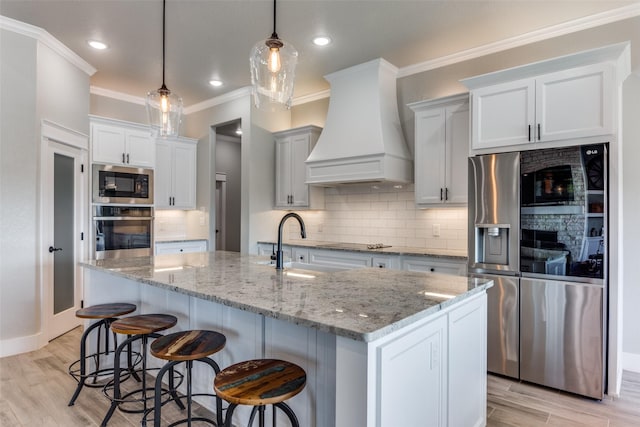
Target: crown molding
(48,40)
(95,90)
(229,96)
(568,27)
(311,97)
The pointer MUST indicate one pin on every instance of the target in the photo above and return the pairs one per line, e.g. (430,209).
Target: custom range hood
(362,139)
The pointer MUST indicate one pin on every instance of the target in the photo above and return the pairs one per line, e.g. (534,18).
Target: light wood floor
(35,389)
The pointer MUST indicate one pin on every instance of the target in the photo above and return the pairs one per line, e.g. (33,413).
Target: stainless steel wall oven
(121,231)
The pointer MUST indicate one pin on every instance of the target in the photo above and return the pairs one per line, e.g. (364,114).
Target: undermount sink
(291,265)
(313,267)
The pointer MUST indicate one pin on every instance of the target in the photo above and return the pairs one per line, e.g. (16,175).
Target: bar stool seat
(187,347)
(258,383)
(105,314)
(140,327)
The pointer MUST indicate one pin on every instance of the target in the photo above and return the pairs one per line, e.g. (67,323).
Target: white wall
(37,83)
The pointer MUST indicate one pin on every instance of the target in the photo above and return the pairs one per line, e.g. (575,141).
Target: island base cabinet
(467,391)
(427,372)
(431,373)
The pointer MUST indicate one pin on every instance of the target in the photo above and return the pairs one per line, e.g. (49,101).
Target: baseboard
(19,345)
(631,362)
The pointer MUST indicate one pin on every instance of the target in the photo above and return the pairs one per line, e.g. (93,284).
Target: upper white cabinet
(568,104)
(441,150)
(554,101)
(175,177)
(292,149)
(121,143)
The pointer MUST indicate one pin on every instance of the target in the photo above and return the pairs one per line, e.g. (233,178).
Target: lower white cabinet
(349,259)
(181,247)
(434,265)
(425,390)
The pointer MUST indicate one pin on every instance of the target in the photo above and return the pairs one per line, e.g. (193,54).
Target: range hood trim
(362,140)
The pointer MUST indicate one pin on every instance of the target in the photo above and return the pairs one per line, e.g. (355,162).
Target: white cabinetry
(434,265)
(567,104)
(181,247)
(441,150)
(449,388)
(121,143)
(175,177)
(292,149)
(424,389)
(552,102)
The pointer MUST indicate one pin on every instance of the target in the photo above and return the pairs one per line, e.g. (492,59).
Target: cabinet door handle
(446,194)
(122,157)
(127,158)
(441,194)
(529,138)
(539,136)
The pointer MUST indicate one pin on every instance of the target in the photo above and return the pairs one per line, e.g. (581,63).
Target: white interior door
(63,200)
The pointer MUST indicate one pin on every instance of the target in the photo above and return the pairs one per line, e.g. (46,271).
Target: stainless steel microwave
(122,185)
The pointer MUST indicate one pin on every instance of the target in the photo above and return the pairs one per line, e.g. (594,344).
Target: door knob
(52,249)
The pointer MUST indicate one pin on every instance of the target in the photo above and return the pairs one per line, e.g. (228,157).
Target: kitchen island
(381,347)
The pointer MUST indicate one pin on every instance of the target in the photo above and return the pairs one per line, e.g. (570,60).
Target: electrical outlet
(436,230)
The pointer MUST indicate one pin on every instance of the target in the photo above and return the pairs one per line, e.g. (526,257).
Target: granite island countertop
(363,304)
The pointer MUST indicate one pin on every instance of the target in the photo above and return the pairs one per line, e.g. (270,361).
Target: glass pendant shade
(273,67)
(163,107)
(165,111)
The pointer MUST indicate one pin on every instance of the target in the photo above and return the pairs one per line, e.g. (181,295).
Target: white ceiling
(209,39)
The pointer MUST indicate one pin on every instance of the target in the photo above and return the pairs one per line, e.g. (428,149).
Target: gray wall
(19,150)
(117,109)
(228,161)
(37,84)
(630,229)
(258,219)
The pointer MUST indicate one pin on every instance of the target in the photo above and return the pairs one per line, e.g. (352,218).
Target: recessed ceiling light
(215,83)
(238,131)
(97,45)
(322,40)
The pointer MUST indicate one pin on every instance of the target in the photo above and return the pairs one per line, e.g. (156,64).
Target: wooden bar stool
(139,328)
(105,314)
(188,347)
(258,383)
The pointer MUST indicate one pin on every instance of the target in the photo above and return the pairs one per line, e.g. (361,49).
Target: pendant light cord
(274,35)
(164,14)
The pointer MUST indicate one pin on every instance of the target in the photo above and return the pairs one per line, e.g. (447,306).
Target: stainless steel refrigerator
(537,227)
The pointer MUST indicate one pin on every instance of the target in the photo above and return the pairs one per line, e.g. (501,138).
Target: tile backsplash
(180,225)
(383,213)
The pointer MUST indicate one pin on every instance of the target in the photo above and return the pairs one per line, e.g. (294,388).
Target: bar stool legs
(188,347)
(106,314)
(140,328)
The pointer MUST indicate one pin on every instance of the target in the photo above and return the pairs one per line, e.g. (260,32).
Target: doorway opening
(228,189)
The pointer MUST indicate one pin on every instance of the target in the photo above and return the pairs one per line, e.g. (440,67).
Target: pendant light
(164,107)
(273,66)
